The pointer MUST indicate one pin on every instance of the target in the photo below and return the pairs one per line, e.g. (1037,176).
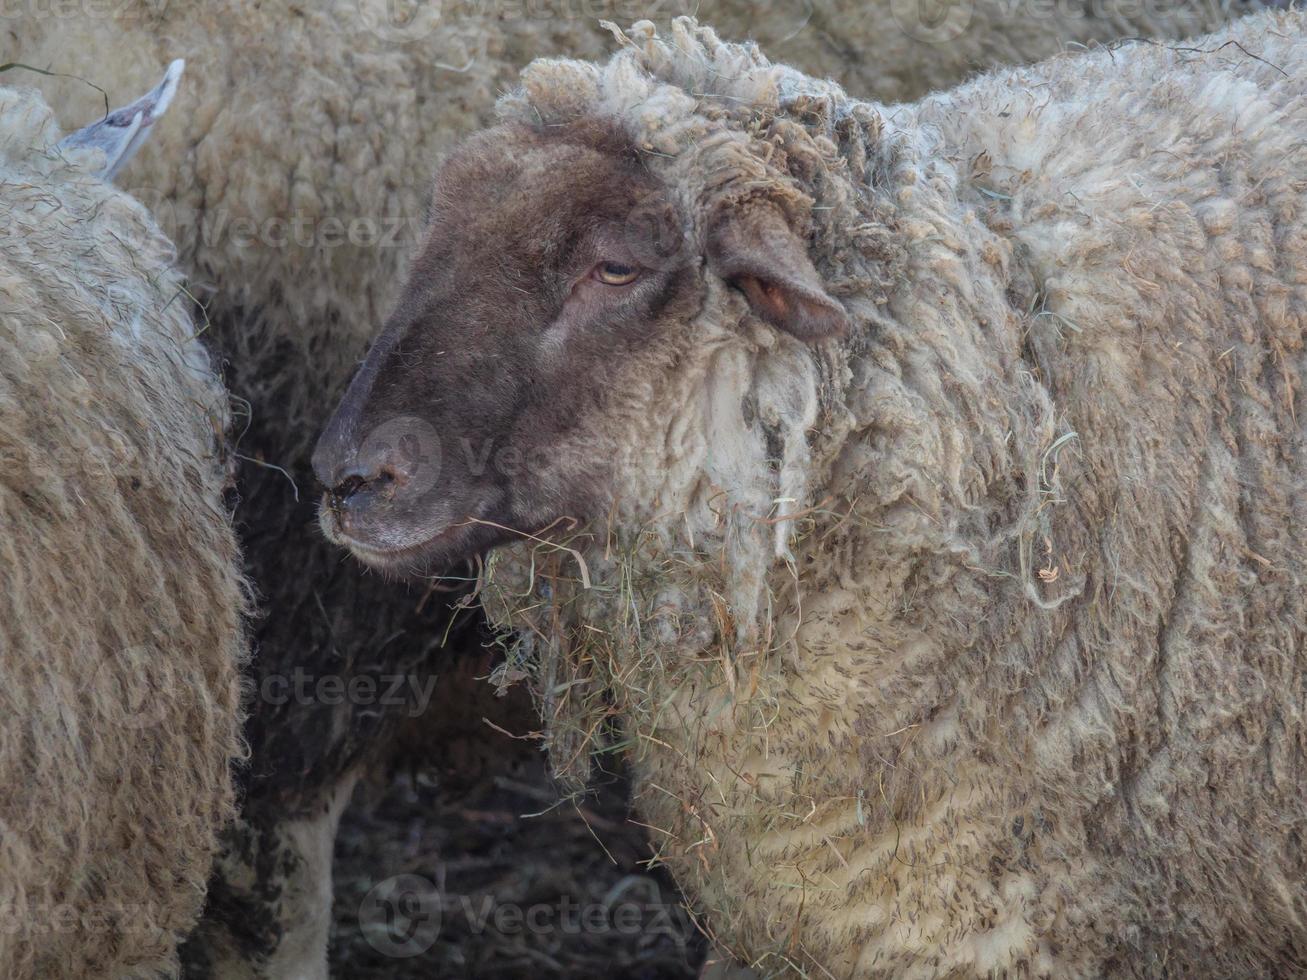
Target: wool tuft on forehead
(720,126)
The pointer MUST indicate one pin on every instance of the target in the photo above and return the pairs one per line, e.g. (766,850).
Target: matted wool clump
(121,636)
(972,644)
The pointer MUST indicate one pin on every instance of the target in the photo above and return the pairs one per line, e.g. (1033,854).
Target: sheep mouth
(455,543)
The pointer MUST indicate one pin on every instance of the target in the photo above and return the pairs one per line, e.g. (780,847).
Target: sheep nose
(358,482)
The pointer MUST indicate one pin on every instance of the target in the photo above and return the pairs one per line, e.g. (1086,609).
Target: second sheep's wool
(121,637)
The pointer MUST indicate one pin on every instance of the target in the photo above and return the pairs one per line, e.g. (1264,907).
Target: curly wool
(1019,689)
(121,635)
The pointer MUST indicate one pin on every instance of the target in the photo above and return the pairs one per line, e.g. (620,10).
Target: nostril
(347,487)
(384,480)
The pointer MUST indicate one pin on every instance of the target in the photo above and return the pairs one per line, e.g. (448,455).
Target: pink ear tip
(166,89)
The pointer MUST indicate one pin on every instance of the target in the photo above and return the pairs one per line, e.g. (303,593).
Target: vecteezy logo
(933,21)
(409,445)
(174,219)
(400,20)
(400,916)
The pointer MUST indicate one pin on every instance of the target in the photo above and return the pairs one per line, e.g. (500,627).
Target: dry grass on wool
(121,635)
(602,644)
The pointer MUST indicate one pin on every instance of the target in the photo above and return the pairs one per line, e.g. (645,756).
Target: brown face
(539,304)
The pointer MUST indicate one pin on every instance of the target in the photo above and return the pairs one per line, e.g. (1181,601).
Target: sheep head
(565,339)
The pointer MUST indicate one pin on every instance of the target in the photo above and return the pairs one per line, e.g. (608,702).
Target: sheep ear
(122,132)
(754,250)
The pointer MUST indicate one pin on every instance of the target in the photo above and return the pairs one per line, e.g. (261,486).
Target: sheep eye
(615,273)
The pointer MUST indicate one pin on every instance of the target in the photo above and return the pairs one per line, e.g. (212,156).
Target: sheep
(920,508)
(121,632)
(288,176)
